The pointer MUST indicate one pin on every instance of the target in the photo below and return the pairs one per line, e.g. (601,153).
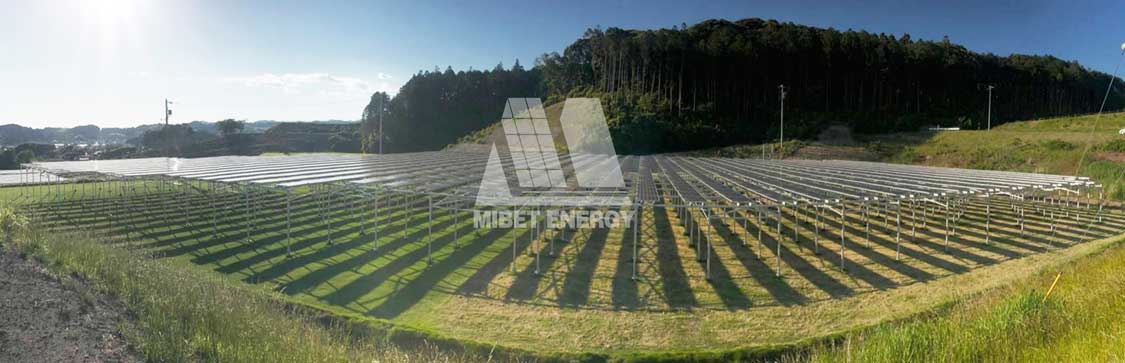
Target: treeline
(716,83)
(435,108)
(234,138)
(12,158)
(12,134)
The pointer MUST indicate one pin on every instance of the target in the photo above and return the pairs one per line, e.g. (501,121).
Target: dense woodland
(436,108)
(716,83)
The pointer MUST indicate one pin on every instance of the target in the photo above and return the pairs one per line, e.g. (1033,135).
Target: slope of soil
(47,319)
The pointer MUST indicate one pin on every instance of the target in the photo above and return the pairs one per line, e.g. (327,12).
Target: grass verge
(1079,321)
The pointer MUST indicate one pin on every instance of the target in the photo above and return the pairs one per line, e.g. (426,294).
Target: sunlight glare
(110,24)
(108,12)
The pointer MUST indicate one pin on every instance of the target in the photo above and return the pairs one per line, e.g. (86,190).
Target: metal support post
(288,222)
(816,232)
(708,249)
(636,225)
(375,224)
(535,236)
(898,231)
(779,238)
(430,230)
(843,222)
(947,228)
(988,221)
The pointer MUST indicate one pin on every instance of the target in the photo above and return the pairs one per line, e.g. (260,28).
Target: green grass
(1068,145)
(584,303)
(1106,123)
(1079,322)
(770,150)
(187,315)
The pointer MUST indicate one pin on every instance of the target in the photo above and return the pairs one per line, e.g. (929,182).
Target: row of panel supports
(402,207)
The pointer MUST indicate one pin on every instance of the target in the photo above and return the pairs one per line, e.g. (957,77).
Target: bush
(1057,145)
(13,226)
(1115,146)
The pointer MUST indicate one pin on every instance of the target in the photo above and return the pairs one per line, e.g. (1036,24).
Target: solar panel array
(18,177)
(649,179)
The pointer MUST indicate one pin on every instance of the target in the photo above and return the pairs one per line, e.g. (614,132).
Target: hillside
(1085,145)
(493,134)
(717,83)
(1068,145)
(14,134)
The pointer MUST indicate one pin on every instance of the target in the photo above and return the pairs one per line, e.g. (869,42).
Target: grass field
(584,300)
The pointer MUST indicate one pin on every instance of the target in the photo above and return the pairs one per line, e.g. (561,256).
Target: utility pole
(167,111)
(782,94)
(381,109)
(990,87)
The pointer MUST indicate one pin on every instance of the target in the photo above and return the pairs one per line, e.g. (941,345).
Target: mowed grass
(583,300)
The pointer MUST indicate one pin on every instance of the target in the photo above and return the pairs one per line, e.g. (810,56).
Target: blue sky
(112,62)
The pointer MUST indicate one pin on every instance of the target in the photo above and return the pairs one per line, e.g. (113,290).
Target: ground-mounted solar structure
(742,190)
(376,234)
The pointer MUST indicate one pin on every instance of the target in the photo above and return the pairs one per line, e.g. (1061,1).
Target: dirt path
(45,319)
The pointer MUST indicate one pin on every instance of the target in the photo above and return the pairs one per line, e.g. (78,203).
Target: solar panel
(694,180)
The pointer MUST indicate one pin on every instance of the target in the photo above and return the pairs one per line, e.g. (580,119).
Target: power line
(1098,117)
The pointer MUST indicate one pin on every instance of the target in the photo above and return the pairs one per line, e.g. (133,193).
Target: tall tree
(230,127)
(434,109)
(371,123)
(716,82)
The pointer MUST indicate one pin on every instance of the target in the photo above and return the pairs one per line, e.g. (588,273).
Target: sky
(112,63)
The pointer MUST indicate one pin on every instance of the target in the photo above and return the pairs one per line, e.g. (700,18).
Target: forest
(717,83)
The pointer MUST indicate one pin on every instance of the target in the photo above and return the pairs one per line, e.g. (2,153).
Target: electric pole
(782,94)
(167,111)
(381,126)
(380,132)
(990,87)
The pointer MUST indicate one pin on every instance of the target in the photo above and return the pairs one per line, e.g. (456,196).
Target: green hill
(1083,145)
(717,83)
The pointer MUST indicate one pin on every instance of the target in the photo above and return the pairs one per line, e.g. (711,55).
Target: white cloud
(323,84)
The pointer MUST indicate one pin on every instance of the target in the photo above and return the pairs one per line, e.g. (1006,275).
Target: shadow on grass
(781,292)
(405,296)
(677,291)
(526,282)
